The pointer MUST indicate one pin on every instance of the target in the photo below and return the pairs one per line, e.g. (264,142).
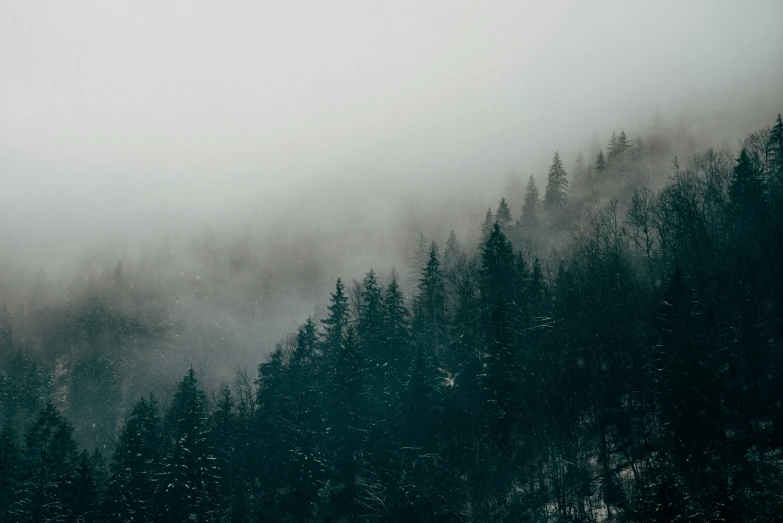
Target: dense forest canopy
(604,344)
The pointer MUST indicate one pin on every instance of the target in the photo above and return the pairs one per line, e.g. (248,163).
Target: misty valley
(604,344)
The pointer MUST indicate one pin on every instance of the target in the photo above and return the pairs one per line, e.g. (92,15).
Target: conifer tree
(746,192)
(557,186)
(10,474)
(500,381)
(336,323)
(529,217)
(430,307)
(452,252)
(486,227)
(600,163)
(397,329)
(775,153)
(86,491)
(134,465)
(49,466)
(497,267)
(370,326)
(186,481)
(503,215)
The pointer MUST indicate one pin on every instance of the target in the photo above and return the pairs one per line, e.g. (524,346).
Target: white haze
(325,135)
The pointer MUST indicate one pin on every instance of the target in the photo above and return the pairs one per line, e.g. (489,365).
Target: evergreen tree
(86,491)
(131,484)
(746,193)
(501,380)
(600,163)
(497,267)
(775,153)
(370,328)
(429,307)
(557,186)
(397,329)
(336,323)
(486,227)
(503,215)
(529,218)
(186,481)
(10,474)
(49,466)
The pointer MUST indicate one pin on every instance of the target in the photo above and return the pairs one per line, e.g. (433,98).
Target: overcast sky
(110,110)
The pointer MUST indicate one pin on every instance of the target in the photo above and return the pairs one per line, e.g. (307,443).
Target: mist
(125,122)
(182,183)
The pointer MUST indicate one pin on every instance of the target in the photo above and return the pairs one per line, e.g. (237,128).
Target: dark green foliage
(10,474)
(185,485)
(49,469)
(134,466)
(621,362)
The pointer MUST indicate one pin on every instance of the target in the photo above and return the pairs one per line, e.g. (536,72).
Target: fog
(325,137)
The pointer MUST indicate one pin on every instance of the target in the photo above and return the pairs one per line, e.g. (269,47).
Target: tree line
(614,354)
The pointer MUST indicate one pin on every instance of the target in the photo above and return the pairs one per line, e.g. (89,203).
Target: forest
(611,351)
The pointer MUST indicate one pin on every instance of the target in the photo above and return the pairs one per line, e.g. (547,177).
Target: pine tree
(134,465)
(497,267)
(397,329)
(429,307)
(349,390)
(503,215)
(86,491)
(49,466)
(452,252)
(529,218)
(500,381)
(746,192)
(775,148)
(337,322)
(486,227)
(10,474)
(600,163)
(370,326)
(186,481)
(557,186)
(225,440)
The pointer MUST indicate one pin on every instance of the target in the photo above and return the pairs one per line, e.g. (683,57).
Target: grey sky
(110,110)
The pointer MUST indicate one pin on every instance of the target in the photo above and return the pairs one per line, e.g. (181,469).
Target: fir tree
(430,307)
(134,465)
(50,459)
(186,481)
(497,267)
(600,163)
(336,323)
(10,474)
(503,215)
(557,186)
(529,218)
(486,227)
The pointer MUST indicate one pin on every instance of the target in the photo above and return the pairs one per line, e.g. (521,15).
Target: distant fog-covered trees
(614,354)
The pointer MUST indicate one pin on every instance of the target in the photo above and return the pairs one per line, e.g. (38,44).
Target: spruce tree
(600,163)
(186,481)
(49,466)
(397,329)
(529,217)
(10,474)
(556,187)
(429,307)
(134,466)
(486,227)
(336,323)
(497,267)
(503,215)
